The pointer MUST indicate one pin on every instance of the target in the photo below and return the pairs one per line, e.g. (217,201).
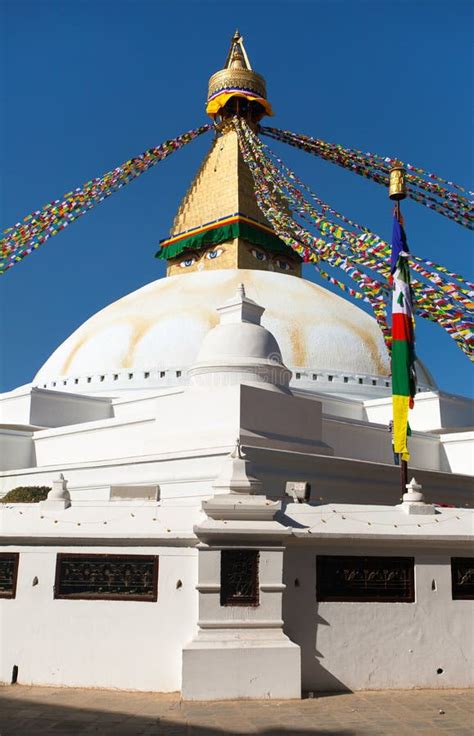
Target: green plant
(26,494)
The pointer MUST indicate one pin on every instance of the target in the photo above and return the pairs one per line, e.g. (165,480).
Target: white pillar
(240,651)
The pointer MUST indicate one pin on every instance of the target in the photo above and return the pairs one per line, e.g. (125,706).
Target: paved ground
(43,711)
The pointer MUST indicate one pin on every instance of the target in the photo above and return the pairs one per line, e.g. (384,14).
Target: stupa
(224,513)
(219,239)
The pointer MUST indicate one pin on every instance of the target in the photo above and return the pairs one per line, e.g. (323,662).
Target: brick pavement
(45,711)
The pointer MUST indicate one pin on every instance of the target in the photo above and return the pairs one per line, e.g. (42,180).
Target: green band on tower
(216,235)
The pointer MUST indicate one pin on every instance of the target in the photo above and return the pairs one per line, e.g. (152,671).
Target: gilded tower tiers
(219,224)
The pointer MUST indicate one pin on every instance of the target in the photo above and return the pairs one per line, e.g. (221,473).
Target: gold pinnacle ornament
(237,80)
(397,189)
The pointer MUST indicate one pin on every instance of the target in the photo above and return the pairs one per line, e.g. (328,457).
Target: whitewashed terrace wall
(17,449)
(457,452)
(432,411)
(376,646)
(129,645)
(44,408)
(373,443)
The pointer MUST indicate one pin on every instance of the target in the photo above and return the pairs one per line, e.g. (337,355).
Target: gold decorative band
(240,78)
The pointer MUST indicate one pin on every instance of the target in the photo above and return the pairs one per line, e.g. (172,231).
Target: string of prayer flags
(26,236)
(430,190)
(321,235)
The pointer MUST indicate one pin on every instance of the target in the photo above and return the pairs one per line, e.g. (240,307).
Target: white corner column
(240,650)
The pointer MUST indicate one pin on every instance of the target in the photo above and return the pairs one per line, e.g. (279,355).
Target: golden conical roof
(223,186)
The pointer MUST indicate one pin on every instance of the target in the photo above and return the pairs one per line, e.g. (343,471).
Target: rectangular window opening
(239,577)
(106,577)
(462,578)
(8,574)
(365,579)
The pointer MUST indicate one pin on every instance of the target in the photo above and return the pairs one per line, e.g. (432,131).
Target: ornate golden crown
(236,79)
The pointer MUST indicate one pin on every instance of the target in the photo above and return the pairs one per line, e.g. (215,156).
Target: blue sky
(87,85)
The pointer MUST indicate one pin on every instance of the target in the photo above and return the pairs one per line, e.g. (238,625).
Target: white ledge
(240,624)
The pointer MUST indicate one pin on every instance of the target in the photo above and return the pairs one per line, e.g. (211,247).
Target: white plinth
(219,665)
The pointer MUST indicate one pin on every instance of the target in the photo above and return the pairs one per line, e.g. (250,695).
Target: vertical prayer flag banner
(403,340)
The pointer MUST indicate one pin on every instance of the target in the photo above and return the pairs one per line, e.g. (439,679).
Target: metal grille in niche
(365,579)
(8,573)
(239,577)
(107,577)
(462,577)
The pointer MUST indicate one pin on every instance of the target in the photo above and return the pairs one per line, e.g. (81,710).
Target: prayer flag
(403,340)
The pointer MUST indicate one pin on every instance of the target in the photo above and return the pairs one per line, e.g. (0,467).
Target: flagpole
(403,463)
(397,192)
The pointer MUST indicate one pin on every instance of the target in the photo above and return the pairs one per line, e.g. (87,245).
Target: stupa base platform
(246,664)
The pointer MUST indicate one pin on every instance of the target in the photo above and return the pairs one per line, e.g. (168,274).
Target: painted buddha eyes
(188,262)
(284,265)
(259,254)
(211,254)
(280,263)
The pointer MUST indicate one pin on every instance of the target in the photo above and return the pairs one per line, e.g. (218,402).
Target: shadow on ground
(41,716)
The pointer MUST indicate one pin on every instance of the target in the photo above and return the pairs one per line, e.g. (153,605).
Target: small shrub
(26,494)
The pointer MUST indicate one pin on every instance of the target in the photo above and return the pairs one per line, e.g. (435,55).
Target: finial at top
(237,89)
(237,57)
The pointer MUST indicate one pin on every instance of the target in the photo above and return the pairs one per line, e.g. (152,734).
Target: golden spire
(219,224)
(237,81)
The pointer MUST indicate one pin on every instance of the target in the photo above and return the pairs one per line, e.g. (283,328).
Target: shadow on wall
(299,576)
(24,715)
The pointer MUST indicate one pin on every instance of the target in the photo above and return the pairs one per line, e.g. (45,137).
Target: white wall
(375,646)
(458,453)
(16,449)
(110,644)
(432,411)
(361,441)
(45,408)
(103,440)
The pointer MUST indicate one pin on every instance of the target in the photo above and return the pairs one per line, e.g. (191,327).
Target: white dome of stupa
(152,336)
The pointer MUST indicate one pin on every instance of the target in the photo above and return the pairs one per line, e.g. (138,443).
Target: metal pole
(404,475)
